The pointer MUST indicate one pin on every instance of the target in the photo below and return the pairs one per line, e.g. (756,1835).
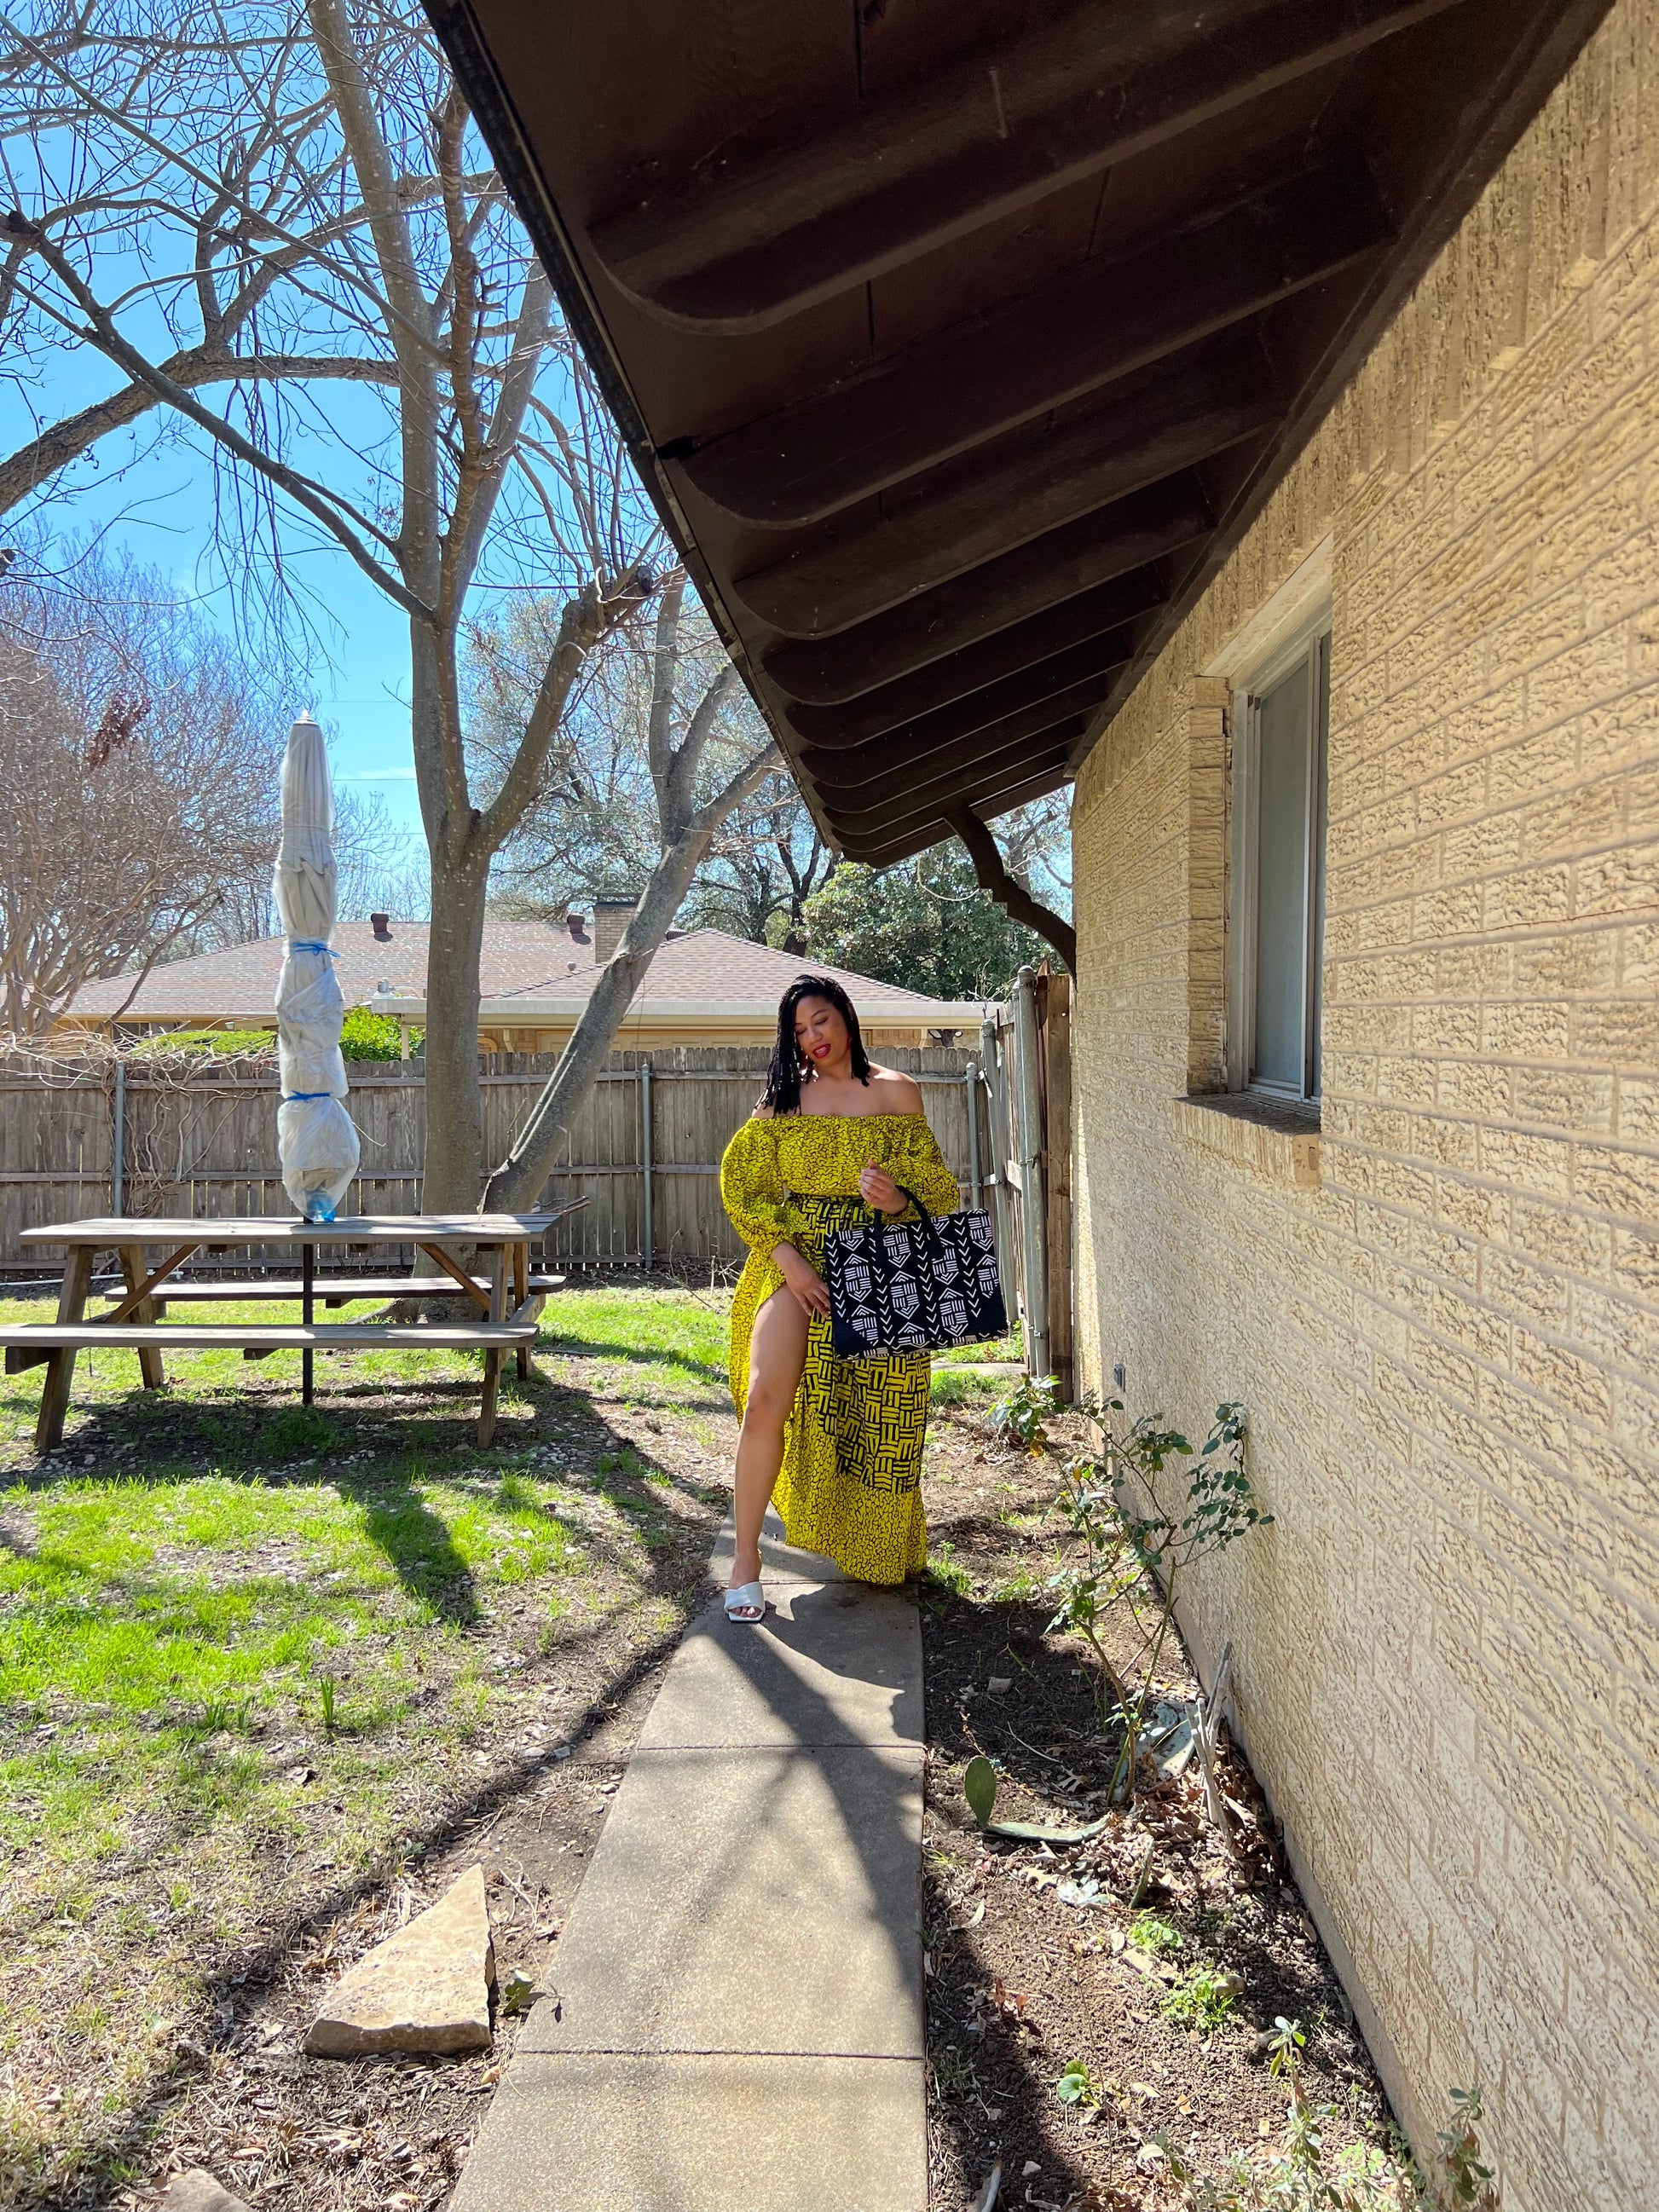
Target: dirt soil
(1021,1983)
(281,2129)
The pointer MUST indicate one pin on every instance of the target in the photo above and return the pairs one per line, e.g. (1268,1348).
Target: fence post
(1033,1209)
(1056,1069)
(648,1226)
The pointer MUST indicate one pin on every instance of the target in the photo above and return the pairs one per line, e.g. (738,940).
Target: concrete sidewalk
(737,2023)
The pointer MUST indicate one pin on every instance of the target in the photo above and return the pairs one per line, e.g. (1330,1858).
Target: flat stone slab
(197,2190)
(701,2134)
(832,1663)
(427,1988)
(759,1900)
(781,1562)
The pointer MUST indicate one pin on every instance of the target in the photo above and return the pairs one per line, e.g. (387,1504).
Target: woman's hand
(802,1280)
(878,1189)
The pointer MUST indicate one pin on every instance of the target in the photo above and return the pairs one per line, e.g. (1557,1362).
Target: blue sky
(154,496)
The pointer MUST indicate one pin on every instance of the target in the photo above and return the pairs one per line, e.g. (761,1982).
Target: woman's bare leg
(777,1352)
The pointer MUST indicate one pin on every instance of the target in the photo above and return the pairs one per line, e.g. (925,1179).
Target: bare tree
(138,797)
(766,863)
(291,199)
(685,707)
(595,826)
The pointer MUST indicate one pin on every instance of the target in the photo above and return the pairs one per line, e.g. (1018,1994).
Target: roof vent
(577,925)
(382,927)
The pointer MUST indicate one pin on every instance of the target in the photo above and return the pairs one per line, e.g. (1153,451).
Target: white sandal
(747,1604)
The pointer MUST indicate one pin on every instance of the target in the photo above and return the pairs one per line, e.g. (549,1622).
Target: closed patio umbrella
(316,1143)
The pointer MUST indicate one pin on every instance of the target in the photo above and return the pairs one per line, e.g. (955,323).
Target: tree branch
(101,331)
(24,472)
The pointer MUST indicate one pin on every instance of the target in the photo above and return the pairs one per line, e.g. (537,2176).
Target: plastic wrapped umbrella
(316,1143)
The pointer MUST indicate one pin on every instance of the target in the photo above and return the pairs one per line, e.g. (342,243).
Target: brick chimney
(611,918)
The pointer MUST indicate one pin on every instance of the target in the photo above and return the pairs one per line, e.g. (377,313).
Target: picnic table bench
(509,1296)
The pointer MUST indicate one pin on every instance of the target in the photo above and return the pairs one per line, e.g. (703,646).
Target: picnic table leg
(150,1369)
(492,1371)
(520,1292)
(60,1368)
(308,1312)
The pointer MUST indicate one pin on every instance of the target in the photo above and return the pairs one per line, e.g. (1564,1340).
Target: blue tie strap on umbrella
(316,1143)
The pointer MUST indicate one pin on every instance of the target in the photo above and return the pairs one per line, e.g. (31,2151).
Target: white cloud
(381,775)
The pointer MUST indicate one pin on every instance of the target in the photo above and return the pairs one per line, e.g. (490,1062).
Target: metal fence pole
(969,1086)
(648,1225)
(1033,1209)
(118,1160)
(996,1114)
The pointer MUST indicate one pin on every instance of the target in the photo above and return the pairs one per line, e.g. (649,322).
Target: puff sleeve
(919,1164)
(751,1189)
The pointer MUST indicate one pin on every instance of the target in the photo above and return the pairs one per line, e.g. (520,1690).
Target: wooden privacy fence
(140,1136)
(1024,1068)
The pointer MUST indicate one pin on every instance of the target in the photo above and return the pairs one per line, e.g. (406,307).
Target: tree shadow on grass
(571,1345)
(417,1544)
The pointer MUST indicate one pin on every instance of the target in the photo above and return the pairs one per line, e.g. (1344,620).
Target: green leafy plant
(1078,2087)
(1023,1416)
(978,1787)
(1462,2181)
(1132,1553)
(1203,1999)
(1304,2174)
(328,1690)
(1150,1933)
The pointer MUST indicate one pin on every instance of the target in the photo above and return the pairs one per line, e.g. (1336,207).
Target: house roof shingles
(528,960)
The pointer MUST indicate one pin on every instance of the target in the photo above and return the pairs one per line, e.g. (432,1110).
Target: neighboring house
(1252,413)
(703,987)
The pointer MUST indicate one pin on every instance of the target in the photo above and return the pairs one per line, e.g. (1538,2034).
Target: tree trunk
(515,1184)
(453,1165)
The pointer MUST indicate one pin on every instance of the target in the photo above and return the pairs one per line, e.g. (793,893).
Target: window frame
(1311,642)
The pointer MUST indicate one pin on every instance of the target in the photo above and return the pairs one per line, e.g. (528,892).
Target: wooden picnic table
(509,1296)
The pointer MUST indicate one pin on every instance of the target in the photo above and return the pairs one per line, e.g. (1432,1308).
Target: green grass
(248,1649)
(961,1386)
(1000,1349)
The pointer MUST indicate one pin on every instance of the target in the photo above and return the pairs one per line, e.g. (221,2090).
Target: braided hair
(782,1093)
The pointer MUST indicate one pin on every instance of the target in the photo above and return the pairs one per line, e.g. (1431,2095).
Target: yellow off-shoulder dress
(850,1485)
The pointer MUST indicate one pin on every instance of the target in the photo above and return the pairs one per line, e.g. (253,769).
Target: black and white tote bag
(914,1286)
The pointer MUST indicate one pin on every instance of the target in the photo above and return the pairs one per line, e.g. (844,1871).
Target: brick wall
(1448,1334)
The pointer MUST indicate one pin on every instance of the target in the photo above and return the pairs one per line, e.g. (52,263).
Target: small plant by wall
(1132,1555)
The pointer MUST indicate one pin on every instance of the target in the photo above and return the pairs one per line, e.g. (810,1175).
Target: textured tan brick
(1450,1351)
(1623,881)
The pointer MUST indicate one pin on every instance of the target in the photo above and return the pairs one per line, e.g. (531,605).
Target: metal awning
(959,341)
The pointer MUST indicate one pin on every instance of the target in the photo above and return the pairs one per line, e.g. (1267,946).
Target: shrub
(364,1035)
(216,1044)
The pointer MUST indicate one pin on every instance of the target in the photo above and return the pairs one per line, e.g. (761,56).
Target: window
(1280,724)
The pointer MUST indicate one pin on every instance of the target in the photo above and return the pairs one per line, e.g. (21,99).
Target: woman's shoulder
(897,1093)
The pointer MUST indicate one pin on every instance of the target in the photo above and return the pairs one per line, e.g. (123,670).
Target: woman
(839,1440)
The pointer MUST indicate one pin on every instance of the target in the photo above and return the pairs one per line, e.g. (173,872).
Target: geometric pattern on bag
(914,1286)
